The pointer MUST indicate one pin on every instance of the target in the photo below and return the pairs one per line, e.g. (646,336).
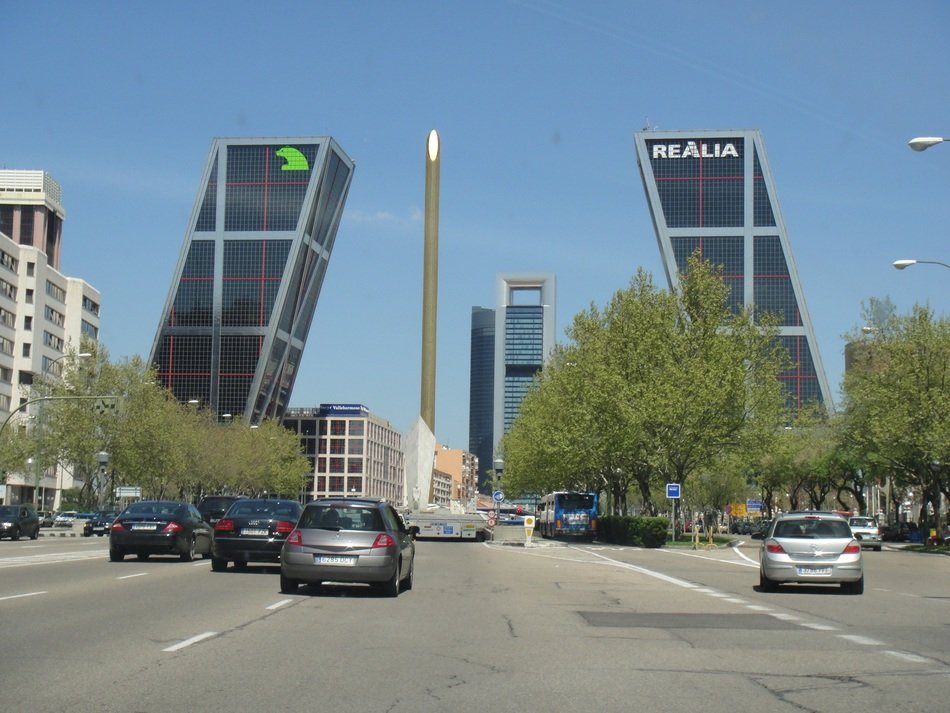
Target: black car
(252,531)
(213,507)
(17,520)
(159,527)
(100,523)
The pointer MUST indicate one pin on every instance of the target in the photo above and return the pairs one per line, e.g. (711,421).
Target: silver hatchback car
(349,540)
(811,548)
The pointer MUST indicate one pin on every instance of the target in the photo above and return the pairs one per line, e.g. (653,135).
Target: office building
(44,314)
(462,469)
(351,451)
(712,191)
(524,337)
(245,288)
(481,390)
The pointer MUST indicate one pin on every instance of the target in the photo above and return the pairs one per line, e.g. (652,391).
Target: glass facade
(524,337)
(250,272)
(711,193)
(481,389)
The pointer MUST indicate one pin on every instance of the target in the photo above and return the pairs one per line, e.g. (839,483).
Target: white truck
(443,524)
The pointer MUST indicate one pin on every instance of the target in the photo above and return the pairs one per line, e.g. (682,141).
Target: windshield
(7,510)
(862,522)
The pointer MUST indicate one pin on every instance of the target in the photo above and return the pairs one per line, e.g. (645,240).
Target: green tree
(897,405)
(654,388)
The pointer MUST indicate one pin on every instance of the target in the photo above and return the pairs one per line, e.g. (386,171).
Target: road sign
(491,518)
(673,490)
(753,505)
(498,496)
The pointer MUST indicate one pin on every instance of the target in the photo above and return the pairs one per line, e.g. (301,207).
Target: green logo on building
(296,161)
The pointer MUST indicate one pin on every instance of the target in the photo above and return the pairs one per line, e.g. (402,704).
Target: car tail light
(295,538)
(224,525)
(117,526)
(775,548)
(852,548)
(283,527)
(173,527)
(384,540)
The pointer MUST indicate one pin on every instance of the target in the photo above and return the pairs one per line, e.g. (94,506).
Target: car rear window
(812,528)
(343,517)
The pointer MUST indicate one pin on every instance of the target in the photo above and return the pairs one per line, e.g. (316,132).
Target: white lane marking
(750,563)
(695,587)
(199,563)
(914,658)
(785,617)
(50,558)
(733,600)
(745,557)
(863,640)
(130,576)
(819,627)
(281,603)
(193,640)
(20,596)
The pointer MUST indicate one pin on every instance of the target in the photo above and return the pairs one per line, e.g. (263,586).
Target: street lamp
(922,143)
(904,264)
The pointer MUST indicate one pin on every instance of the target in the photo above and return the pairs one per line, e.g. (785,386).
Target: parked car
(48,517)
(252,531)
(901,532)
(159,527)
(213,507)
(100,523)
(65,519)
(19,520)
(811,548)
(360,540)
(866,531)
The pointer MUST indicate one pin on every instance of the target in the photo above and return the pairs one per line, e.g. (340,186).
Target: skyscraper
(524,338)
(481,390)
(712,191)
(250,270)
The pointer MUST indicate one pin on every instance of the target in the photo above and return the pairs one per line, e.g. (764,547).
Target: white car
(866,532)
(65,518)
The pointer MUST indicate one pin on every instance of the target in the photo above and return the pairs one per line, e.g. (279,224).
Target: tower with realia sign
(713,192)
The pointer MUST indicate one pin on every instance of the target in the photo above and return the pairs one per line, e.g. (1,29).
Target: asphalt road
(486,627)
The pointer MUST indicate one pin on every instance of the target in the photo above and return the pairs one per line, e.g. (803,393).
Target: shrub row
(637,531)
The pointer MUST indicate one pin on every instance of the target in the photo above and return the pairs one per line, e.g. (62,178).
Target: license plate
(252,532)
(145,527)
(813,571)
(338,560)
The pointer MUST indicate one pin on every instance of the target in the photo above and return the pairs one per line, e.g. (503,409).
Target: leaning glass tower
(250,270)
(712,191)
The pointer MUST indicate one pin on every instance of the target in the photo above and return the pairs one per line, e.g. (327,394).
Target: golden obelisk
(430,280)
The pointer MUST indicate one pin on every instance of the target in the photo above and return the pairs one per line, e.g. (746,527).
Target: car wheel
(15,535)
(288,585)
(218,565)
(407,581)
(116,555)
(766,584)
(189,554)
(36,533)
(141,556)
(877,549)
(391,587)
(853,587)
(240,564)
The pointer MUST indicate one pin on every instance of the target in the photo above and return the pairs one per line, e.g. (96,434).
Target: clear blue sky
(536,102)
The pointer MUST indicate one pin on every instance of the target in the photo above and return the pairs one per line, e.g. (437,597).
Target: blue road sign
(498,496)
(672,490)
